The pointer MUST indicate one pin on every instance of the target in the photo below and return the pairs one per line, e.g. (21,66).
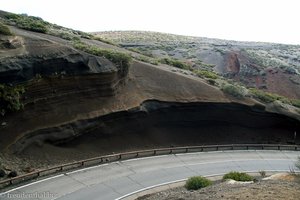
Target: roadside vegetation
(238,176)
(197,182)
(10,98)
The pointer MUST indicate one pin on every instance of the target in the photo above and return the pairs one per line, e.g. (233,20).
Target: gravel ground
(267,190)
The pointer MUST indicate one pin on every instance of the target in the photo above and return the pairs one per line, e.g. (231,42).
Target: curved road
(118,179)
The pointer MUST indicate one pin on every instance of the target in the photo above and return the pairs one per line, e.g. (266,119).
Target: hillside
(69,95)
(270,67)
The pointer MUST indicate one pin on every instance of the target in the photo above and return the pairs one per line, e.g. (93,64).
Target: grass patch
(104,40)
(175,63)
(118,58)
(10,98)
(266,96)
(295,102)
(147,60)
(197,182)
(238,176)
(4,30)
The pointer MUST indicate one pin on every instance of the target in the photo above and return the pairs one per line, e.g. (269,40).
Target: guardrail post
(61,168)
(278,147)
(186,150)
(171,150)
(120,156)
(217,148)
(154,152)
(295,148)
(10,182)
(262,147)
(137,155)
(82,163)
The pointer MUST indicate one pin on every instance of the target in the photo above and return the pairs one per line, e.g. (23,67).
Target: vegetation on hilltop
(119,58)
(37,24)
(253,64)
(28,22)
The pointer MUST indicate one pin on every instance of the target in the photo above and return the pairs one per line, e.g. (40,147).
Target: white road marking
(46,179)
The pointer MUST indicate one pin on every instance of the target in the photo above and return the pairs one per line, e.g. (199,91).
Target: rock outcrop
(39,57)
(73,98)
(162,124)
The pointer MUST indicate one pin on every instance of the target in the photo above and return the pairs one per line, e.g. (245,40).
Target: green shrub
(233,90)
(175,63)
(197,182)
(10,98)
(238,176)
(206,74)
(119,58)
(4,30)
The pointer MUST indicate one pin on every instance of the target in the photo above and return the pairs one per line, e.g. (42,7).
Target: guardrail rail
(140,154)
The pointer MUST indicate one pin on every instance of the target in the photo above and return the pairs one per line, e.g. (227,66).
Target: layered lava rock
(85,105)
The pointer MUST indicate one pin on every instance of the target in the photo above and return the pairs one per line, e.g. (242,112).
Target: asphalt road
(114,180)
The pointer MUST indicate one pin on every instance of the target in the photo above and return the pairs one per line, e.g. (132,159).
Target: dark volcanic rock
(45,58)
(166,123)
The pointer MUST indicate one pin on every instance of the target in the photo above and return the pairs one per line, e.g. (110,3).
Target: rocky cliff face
(27,57)
(232,64)
(51,71)
(85,103)
(163,124)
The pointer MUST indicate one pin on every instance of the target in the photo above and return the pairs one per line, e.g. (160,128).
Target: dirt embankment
(268,190)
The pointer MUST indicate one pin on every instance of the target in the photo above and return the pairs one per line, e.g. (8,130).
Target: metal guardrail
(140,154)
